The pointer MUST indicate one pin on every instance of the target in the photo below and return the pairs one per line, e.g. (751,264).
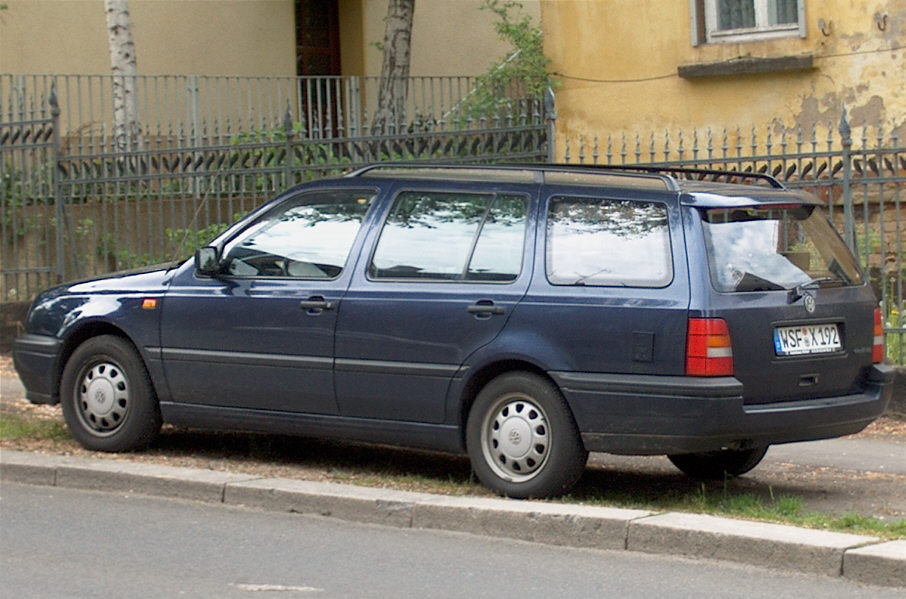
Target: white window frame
(707,32)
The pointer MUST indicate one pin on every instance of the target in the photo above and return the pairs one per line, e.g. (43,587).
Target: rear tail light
(708,348)
(877,351)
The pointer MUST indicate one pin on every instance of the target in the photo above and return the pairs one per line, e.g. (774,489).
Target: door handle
(485,308)
(316,304)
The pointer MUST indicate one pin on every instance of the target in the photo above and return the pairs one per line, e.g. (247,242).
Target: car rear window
(608,243)
(776,247)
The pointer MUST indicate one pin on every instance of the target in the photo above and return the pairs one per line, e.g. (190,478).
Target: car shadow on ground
(644,483)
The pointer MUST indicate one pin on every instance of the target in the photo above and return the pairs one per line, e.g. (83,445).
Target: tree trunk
(124,67)
(394,86)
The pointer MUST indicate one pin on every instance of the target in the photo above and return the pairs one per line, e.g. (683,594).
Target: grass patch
(782,509)
(14,426)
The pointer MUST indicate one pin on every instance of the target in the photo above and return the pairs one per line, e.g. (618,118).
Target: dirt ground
(616,479)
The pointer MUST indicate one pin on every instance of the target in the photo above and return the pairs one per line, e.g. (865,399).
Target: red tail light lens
(709,351)
(877,352)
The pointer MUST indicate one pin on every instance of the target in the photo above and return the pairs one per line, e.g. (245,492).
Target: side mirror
(207,261)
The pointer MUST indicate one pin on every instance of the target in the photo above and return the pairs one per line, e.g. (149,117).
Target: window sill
(747,66)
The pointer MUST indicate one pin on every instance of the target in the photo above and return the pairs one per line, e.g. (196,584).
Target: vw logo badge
(809,303)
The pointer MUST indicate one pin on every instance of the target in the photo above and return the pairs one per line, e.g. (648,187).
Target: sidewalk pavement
(859,558)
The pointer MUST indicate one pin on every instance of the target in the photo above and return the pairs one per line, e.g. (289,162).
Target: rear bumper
(36,358)
(651,415)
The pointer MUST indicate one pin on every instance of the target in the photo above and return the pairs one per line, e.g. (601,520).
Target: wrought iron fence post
(847,141)
(550,115)
(288,160)
(55,183)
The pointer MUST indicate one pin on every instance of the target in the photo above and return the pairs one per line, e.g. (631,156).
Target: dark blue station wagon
(525,315)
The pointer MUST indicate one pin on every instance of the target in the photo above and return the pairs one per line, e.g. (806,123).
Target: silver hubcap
(103,397)
(516,439)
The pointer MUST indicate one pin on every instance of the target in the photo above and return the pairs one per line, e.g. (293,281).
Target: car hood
(149,279)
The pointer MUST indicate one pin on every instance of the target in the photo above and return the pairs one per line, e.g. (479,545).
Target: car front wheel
(107,398)
(522,439)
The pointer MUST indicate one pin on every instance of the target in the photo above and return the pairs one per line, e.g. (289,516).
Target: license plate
(807,339)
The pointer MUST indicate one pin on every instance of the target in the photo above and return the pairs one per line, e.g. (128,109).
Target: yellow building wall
(449,37)
(617,63)
(240,37)
(211,37)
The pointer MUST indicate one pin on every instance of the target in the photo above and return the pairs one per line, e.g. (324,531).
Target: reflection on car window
(307,238)
(771,248)
(600,242)
(452,236)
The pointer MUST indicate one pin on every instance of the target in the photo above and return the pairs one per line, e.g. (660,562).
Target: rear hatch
(799,313)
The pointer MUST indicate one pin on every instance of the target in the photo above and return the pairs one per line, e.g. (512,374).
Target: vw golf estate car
(525,315)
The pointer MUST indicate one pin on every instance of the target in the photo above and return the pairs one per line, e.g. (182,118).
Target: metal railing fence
(192,110)
(77,205)
(861,178)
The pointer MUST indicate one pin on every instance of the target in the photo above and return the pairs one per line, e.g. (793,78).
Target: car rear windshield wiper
(799,290)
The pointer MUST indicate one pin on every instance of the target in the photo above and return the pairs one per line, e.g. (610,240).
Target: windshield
(776,247)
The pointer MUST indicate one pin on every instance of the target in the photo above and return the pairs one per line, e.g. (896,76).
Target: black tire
(522,439)
(718,465)
(107,397)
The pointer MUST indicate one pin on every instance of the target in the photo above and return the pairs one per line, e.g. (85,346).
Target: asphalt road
(57,542)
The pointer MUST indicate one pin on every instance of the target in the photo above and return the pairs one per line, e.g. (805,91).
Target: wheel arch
(81,334)
(486,374)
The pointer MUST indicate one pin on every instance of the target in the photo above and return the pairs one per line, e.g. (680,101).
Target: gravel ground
(624,481)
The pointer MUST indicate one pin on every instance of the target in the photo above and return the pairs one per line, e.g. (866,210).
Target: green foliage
(122,258)
(526,72)
(179,244)
(186,241)
(895,319)
(268,147)
(14,197)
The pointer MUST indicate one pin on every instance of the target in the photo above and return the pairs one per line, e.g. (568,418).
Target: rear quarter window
(608,243)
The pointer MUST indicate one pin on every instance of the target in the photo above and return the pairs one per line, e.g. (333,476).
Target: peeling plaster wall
(618,62)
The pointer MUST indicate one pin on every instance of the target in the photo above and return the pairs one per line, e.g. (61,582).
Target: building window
(717,21)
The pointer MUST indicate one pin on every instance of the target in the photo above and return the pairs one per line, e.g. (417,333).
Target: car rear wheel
(717,465)
(522,439)
(107,398)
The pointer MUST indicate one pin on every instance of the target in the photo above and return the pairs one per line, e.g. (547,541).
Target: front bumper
(36,358)
(652,415)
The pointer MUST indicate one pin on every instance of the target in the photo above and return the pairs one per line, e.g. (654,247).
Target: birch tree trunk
(394,87)
(124,67)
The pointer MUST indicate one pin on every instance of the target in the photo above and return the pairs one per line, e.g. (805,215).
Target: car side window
(309,238)
(452,236)
(608,243)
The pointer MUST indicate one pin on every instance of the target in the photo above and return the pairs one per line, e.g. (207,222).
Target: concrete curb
(859,558)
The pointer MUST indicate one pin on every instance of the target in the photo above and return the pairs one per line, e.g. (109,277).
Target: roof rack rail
(377,166)
(502,166)
(655,169)
(666,173)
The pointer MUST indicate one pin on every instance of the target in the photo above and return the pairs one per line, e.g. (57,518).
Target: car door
(446,270)
(610,293)
(260,334)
